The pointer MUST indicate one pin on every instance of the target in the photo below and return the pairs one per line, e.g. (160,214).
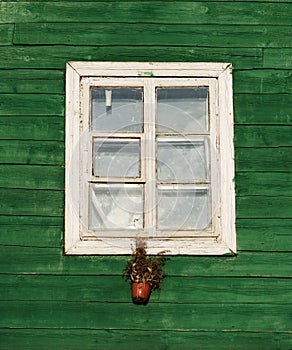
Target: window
(149,155)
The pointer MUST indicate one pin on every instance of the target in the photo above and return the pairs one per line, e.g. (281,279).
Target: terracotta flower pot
(140,292)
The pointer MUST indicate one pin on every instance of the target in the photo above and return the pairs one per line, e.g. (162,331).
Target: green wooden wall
(51,301)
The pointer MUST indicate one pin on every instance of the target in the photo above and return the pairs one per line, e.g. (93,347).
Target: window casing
(149,155)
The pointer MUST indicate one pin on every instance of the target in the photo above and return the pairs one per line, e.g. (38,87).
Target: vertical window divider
(150,184)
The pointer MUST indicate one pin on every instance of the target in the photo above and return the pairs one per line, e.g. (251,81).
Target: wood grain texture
(263,81)
(264,234)
(34,81)
(33,235)
(262,108)
(150,34)
(45,128)
(262,136)
(117,339)
(51,261)
(163,316)
(31,104)
(264,183)
(260,207)
(38,177)
(148,11)
(31,152)
(278,159)
(31,202)
(196,290)
(6,34)
(281,58)
(55,56)
(52,301)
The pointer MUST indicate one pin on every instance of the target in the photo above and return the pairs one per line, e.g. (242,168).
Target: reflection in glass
(184,208)
(116,157)
(183,110)
(116,109)
(116,207)
(182,159)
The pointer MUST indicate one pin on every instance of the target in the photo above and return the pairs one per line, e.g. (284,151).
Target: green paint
(149,74)
(98,339)
(56,302)
(153,34)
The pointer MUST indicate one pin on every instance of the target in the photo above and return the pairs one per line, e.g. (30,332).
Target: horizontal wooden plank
(264,234)
(31,152)
(31,235)
(263,136)
(32,177)
(115,289)
(32,86)
(23,220)
(33,74)
(147,11)
(259,207)
(31,202)
(277,159)
(83,34)
(32,81)
(49,128)
(57,56)
(31,104)
(163,316)
(31,260)
(6,34)
(272,81)
(277,58)
(37,86)
(112,339)
(263,108)
(263,183)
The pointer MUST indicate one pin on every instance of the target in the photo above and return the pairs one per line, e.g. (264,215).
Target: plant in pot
(145,274)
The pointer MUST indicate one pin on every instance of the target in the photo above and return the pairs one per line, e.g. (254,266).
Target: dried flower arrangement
(145,274)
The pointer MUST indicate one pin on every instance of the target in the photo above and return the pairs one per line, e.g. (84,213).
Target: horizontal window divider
(116,135)
(182,134)
(180,138)
(112,233)
(183,183)
(163,234)
(121,181)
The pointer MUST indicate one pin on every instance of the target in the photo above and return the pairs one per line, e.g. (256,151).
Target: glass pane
(182,159)
(116,157)
(183,208)
(116,207)
(116,109)
(182,110)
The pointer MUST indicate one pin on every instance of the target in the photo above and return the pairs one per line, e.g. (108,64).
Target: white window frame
(79,77)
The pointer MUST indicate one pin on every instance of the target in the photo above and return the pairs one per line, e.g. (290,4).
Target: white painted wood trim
(74,244)
(72,161)
(184,246)
(149,69)
(227,159)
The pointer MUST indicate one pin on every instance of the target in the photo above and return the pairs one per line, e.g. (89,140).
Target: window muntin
(145,143)
(171,157)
